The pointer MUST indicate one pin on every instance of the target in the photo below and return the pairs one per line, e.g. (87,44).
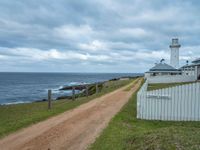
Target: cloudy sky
(95,35)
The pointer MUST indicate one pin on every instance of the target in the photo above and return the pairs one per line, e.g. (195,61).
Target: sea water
(29,87)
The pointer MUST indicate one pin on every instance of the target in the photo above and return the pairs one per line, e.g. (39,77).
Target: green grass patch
(164,85)
(130,86)
(125,132)
(14,117)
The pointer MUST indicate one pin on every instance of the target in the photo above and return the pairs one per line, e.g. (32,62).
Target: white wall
(146,75)
(174,59)
(172,78)
(180,103)
(195,70)
(188,72)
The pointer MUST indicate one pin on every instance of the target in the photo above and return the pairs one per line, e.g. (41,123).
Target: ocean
(29,87)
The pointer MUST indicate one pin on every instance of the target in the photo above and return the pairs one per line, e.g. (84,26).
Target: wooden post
(49,99)
(73,92)
(97,88)
(87,90)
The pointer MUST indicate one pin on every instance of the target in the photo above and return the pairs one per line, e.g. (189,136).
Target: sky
(95,35)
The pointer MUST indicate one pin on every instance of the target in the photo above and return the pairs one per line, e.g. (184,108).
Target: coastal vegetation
(14,117)
(125,131)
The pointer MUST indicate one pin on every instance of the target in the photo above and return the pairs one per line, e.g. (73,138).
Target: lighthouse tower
(174,60)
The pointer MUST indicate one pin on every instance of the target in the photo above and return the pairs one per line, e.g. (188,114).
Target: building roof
(163,67)
(196,61)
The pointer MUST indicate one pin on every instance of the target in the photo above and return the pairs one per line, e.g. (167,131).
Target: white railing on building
(179,103)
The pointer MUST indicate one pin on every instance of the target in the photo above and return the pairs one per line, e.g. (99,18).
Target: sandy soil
(71,130)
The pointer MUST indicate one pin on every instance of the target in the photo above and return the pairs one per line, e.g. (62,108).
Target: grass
(14,117)
(126,132)
(131,85)
(164,85)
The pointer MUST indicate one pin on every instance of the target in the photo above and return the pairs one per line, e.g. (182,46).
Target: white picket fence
(179,103)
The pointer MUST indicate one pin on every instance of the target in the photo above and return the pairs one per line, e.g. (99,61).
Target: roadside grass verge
(14,117)
(164,85)
(126,132)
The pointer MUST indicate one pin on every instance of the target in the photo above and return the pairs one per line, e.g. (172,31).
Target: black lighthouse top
(175,43)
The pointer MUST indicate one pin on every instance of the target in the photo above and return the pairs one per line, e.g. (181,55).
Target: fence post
(49,99)
(73,93)
(87,90)
(97,88)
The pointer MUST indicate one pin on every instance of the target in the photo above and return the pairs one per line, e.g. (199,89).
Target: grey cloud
(106,32)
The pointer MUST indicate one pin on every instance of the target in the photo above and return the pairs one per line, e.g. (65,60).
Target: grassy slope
(14,117)
(164,85)
(127,132)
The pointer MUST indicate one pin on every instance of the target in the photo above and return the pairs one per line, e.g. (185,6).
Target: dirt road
(71,130)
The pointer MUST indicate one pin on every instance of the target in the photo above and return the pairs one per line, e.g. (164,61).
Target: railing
(84,87)
(141,96)
(179,103)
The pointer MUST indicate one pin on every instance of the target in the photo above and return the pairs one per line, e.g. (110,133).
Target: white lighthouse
(174,60)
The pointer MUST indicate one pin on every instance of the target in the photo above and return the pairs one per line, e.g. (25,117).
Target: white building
(176,103)
(164,73)
(174,59)
(192,69)
(162,69)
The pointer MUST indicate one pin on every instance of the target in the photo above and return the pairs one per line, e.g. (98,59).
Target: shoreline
(69,96)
